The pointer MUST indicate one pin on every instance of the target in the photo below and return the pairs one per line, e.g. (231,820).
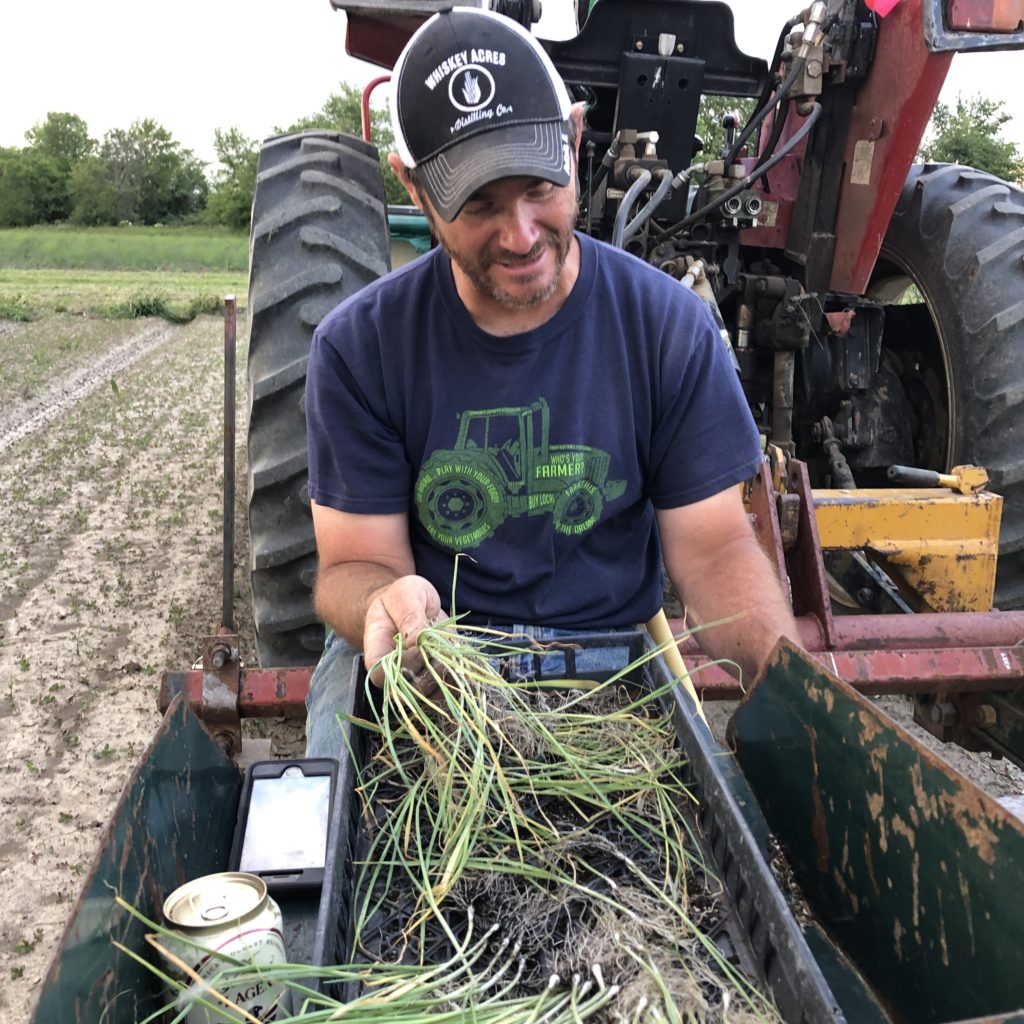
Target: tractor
(872,305)
(502,464)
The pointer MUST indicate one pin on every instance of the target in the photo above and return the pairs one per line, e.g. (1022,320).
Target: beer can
(230,914)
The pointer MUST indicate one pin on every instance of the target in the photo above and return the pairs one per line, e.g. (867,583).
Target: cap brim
(538,150)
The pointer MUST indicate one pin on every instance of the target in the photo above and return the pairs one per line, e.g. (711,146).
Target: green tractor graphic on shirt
(502,466)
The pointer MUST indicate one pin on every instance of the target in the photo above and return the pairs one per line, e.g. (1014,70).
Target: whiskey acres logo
(471,86)
(471,89)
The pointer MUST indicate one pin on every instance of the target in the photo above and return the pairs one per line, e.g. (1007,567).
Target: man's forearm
(343,593)
(741,592)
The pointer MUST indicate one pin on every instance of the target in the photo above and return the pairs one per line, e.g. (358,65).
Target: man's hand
(404,606)
(366,588)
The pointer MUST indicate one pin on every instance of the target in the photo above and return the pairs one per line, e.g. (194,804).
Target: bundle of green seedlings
(525,856)
(556,811)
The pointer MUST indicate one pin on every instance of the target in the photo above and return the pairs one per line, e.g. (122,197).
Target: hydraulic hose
(788,148)
(590,185)
(780,93)
(780,117)
(773,139)
(622,214)
(607,161)
(780,46)
(647,211)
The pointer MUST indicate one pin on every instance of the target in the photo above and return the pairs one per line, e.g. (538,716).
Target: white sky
(196,65)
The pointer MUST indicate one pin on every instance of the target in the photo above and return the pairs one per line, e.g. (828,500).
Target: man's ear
(400,172)
(576,115)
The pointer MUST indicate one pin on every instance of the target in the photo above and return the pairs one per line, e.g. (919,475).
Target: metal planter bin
(175,820)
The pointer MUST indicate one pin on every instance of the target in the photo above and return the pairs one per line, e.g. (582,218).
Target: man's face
(511,239)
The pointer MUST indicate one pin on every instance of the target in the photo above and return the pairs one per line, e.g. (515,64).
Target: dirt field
(110,571)
(110,561)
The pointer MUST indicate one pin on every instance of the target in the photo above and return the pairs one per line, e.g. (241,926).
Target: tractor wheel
(459,501)
(319,234)
(578,508)
(958,236)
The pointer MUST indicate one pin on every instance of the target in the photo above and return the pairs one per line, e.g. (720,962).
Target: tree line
(142,175)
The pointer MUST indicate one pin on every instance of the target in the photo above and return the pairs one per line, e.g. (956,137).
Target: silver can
(230,914)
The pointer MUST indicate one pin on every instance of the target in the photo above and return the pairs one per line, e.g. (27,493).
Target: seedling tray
(757,928)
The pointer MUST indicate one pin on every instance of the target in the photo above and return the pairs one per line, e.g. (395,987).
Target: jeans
(330,688)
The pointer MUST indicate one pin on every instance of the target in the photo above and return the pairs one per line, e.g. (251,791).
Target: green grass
(15,307)
(120,273)
(158,304)
(28,294)
(178,249)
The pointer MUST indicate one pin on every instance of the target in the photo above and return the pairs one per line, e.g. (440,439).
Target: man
(559,411)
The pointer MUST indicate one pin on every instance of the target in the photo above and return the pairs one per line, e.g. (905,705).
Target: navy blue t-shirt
(542,456)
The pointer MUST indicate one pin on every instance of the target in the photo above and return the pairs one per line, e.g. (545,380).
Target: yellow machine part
(941,545)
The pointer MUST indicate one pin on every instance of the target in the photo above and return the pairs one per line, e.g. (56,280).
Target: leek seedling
(528,783)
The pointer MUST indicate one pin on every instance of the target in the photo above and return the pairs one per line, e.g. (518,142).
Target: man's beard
(475,267)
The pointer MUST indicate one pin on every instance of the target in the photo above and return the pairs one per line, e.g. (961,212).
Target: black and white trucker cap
(475,97)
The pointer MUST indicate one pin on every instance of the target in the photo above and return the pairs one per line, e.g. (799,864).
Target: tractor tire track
(27,417)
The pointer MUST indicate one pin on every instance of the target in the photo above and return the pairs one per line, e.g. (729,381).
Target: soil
(110,572)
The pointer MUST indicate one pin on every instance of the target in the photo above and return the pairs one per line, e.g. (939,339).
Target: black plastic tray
(769,943)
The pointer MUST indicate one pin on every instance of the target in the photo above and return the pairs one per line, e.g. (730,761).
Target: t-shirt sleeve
(705,439)
(357,459)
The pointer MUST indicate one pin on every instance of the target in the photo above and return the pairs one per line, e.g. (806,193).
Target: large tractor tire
(319,234)
(958,236)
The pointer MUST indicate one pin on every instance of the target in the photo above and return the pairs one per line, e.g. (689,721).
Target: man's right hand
(366,587)
(405,606)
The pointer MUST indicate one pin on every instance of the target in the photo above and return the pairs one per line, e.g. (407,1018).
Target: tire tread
(319,235)
(957,231)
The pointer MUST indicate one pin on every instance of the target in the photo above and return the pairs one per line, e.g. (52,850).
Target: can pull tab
(214,913)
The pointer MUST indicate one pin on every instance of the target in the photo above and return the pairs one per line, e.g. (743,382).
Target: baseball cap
(475,97)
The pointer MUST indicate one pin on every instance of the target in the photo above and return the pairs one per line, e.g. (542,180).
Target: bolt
(680,48)
(943,714)
(865,596)
(985,716)
(814,69)
(639,44)
(220,655)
